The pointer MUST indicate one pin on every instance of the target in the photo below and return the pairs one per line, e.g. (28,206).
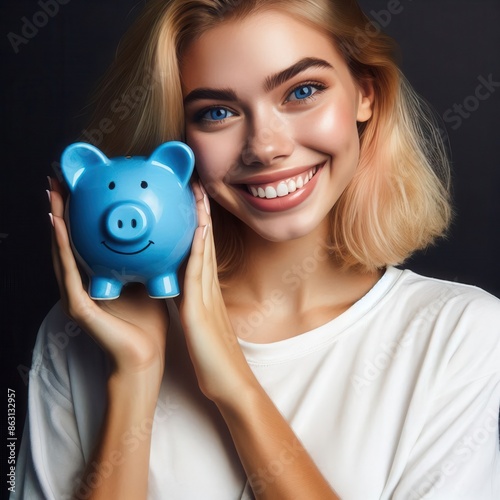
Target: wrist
(242,400)
(136,390)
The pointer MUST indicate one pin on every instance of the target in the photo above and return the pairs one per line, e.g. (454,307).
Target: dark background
(447,47)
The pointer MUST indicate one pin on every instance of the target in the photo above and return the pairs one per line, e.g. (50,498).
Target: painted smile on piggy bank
(128,253)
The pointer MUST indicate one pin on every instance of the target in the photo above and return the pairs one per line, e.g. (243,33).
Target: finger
(66,257)
(56,263)
(211,235)
(208,267)
(56,203)
(202,205)
(57,210)
(206,198)
(70,282)
(215,268)
(193,277)
(58,186)
(198,193)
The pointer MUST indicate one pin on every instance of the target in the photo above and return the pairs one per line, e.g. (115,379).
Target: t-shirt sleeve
(51,455)
(457,453)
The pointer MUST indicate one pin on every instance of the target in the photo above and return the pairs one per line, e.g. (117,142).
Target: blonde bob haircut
(398,201)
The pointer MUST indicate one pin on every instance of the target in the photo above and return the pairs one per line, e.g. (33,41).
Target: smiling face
(271,115)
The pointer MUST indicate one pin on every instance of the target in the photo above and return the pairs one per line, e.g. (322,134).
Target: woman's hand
(220,366)
(260,433)
(132,329)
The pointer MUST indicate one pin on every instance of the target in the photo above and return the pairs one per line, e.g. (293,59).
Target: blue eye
(216,114)
(303,92)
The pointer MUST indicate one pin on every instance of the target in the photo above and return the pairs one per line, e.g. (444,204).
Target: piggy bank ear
(77,157)
(175,156)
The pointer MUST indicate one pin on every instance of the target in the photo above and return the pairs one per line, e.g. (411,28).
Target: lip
(271,177)
(128,253)
(287,202)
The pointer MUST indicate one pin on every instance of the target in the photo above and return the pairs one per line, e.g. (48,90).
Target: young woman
(298,362)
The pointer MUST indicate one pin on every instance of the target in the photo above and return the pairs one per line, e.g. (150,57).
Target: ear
(366,97)
(175,156)
(77,157)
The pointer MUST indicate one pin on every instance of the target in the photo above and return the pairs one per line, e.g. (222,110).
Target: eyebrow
(207,93)
(271,82)
(287,74)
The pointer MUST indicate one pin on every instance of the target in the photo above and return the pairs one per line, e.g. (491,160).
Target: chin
(287,230)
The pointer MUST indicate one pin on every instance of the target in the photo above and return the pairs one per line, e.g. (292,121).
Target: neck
(301,273)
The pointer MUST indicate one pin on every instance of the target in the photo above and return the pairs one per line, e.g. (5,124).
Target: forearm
(262,437)
(120,464)
(276,463)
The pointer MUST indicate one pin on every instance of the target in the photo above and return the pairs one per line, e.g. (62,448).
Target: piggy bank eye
(144,184)
(112,185)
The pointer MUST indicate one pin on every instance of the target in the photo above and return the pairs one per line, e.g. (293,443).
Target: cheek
(332,130)
(213,156)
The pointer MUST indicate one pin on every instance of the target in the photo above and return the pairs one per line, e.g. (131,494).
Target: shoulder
(467,302)
(460,322)
(408,296)
(414,289)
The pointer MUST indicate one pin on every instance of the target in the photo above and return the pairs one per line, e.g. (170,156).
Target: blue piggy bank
(131,219)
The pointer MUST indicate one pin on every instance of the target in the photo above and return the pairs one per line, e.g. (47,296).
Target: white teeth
(271,192)
(282,189)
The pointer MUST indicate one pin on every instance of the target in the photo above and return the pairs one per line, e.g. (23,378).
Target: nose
(270,141)
(127,222)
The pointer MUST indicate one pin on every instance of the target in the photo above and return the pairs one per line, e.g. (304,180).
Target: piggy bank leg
(163,286)
(104,288)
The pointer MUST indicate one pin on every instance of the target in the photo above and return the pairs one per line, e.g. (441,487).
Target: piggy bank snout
(128,222)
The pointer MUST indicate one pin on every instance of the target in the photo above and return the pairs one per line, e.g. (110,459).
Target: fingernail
(203,189)
(49,180)
(205,231)
(207,203)
(51,217)
(48,195)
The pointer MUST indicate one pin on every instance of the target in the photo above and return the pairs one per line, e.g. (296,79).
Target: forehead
(237,52)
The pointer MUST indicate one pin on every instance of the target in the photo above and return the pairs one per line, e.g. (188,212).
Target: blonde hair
(398,201)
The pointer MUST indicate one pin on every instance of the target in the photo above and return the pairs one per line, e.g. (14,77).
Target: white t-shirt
(397,398)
